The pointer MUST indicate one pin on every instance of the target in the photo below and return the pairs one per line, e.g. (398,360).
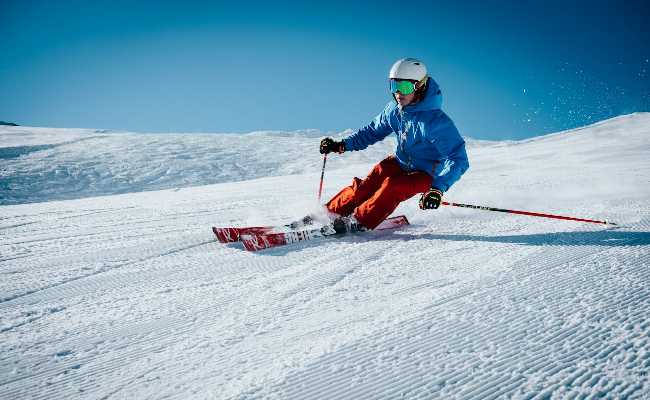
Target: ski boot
(347,224)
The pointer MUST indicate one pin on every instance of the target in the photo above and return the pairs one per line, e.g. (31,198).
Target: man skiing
(429,158)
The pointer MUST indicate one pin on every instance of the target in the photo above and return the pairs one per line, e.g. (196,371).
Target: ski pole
(533,214)
(322,174)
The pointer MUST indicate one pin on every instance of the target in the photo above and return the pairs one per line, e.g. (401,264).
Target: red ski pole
(322,174)
(533,214)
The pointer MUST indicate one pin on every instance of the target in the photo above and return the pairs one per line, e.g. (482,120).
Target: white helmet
(408,68)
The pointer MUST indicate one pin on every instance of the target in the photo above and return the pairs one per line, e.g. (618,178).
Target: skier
(429,158)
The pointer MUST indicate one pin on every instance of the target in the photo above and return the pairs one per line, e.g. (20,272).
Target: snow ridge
(88,163)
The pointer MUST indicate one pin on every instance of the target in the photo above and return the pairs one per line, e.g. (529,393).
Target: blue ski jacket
(427,139)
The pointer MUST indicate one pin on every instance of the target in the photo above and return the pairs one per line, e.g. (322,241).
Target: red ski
(260,241)
(233,234)
(230,235)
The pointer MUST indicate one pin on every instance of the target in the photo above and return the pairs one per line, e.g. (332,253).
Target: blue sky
(507,70)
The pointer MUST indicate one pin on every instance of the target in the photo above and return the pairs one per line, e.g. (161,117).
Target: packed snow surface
(129,295)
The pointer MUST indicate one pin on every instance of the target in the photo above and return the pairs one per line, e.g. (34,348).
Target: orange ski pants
(374,198)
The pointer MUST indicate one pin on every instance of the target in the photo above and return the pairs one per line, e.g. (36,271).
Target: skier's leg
(345,201)
(393,191)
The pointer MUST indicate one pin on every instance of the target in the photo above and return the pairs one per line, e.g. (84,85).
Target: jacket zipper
(409,164)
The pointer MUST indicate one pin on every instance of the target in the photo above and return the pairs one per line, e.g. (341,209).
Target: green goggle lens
(404,87)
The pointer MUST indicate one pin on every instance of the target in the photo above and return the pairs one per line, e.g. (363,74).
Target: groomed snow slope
(129,296)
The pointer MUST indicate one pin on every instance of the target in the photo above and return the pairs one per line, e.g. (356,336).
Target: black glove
(431,199)
(328,145)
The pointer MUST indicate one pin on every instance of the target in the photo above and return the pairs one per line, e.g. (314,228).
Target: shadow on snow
(608,238)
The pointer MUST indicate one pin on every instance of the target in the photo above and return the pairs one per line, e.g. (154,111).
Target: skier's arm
(375,131)
(451,168)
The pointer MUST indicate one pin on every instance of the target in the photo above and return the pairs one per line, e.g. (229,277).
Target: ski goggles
(404,87)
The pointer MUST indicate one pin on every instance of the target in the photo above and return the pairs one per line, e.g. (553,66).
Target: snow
(82,163)
(113,285)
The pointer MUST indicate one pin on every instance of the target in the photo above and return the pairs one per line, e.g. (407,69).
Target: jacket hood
(432,99)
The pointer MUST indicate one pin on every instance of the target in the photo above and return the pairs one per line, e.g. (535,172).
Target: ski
(233,234)
(260,241)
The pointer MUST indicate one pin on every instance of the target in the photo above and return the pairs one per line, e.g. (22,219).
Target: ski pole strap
(532,214)
(322,175)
